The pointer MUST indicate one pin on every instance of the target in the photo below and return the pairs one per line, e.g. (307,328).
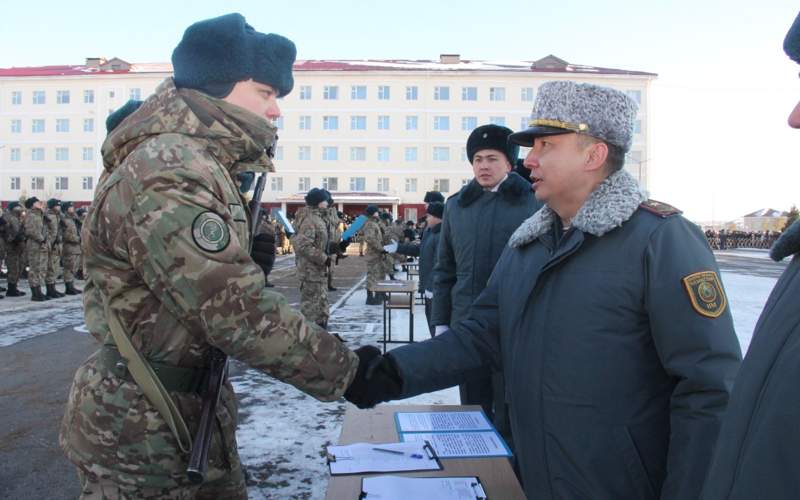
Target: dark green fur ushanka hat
(216,53)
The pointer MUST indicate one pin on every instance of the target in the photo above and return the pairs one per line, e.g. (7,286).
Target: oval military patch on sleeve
(210,232)
(705,293)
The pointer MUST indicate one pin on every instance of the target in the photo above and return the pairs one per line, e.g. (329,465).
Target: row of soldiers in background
(725,239)
(42,238)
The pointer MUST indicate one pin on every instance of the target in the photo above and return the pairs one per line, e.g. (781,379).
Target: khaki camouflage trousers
(314,300)
(71,266)
(102,489)
(37,262)
(53,264)
(375,270)
(14,262)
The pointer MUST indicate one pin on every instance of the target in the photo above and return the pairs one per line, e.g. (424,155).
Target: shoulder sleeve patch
(210,232)
(705,293)
(237,212)
(659,208)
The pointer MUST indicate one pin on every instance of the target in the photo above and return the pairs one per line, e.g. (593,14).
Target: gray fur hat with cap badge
(564,106)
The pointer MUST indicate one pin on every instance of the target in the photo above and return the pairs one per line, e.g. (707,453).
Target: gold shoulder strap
(147,380)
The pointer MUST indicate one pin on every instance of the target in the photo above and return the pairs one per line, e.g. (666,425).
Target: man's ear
(598,153)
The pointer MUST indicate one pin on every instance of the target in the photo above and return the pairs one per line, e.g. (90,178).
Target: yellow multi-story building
(370,131)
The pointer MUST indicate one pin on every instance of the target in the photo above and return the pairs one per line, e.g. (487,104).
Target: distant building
(370,131)
(766,219)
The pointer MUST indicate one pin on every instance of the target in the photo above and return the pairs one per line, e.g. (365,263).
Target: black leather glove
(263,252)
(376,380)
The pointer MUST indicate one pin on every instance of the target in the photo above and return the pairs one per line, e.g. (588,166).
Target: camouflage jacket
(15,234)
(332,219)
(310,242)
(53,220)
(72,240)
(35,229)
(373,236)
(166,247)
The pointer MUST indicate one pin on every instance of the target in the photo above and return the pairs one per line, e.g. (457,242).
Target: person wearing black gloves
(310,245)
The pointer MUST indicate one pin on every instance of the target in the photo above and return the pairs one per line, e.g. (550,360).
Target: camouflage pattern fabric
(373,237)
(15,246)
(71,248)
(53,248)
(232,487)
(36,246)
(310,245)
(166,246)
(388,236)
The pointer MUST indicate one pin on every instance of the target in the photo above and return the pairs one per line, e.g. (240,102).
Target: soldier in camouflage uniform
(36,247)
(54,246)
(72,247)
(167,245)
(373,237)
(387,237)
(310,246)
(15,247)
(331,218)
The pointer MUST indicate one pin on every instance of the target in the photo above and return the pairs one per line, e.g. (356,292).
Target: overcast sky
(720,144)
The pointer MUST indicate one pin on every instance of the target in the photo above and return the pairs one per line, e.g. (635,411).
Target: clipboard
(402,487)
(377,464)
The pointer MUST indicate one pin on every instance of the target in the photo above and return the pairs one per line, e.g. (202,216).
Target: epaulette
(660,209)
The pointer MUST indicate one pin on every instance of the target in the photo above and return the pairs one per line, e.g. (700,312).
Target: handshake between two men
(377,379)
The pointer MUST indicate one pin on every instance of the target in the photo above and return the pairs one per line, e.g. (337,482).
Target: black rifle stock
(217,371)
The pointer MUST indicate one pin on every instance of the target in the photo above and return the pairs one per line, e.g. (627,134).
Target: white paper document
(462,444)
(405,488)
(389,457)
(431,421)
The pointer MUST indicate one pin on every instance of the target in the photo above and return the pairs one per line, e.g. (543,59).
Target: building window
(88,124)
(469,123)
(358,154)
(305,122)
(383,122)
(411,154)
(16,155)
(62,96)
(358,123)
(37,126)
(62,125)
(412,93)
(88,96)
(16,126)
(330,183)
(358,92)
(62,183)
(497,120)
(383,92)
(411,185)
(88,154)
(463,154)
(112,94)
(304,183)
(330,153)
(305,92)
(441,123)
(441,154)
(464,182)
(497,93)
(358,183)
(637,127)
(15,184)
(523,122)
(636,95)
(441,185)
(279,153)
(38,97)
(304,153)
(37,183)
(383,153)
(330,122)
(16,97)
(469,93)
(278,123)
(527,94)
(276,184)
(330,93)
(37,154)
(87,183)
(412,122)
(383,184)
(441,93)
(62,154)
(135,94)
